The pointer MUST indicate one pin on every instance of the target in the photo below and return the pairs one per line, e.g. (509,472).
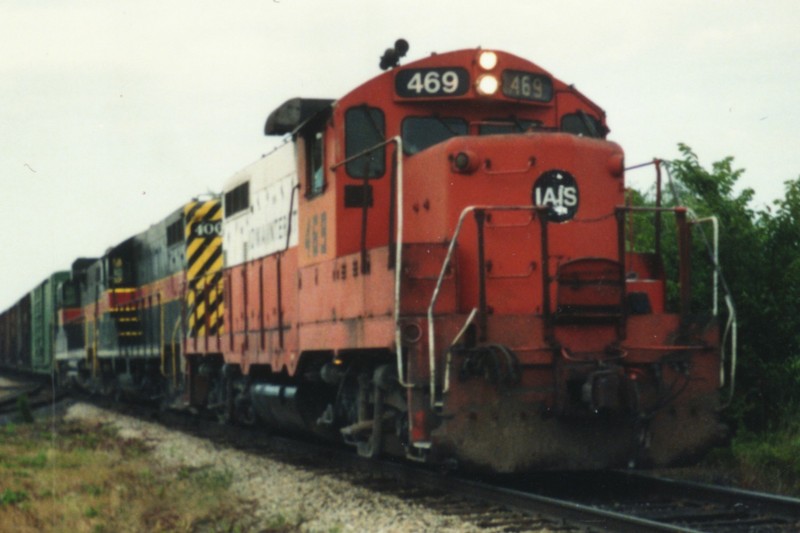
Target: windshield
(420,133)
(508,125)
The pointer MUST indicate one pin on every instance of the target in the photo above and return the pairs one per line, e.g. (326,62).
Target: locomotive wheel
(226,413)
(373,414)
(236,407)
(372,446)
(243,409)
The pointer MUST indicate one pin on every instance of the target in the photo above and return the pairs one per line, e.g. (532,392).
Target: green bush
(760,257)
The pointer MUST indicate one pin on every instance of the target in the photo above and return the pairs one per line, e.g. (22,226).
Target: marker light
(464,162)
(487,60)
(461,160)
(487,85)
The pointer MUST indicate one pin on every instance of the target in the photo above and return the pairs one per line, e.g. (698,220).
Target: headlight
(487,85)
(487,60)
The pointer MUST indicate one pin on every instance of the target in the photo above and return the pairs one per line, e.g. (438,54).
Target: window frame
(581,116)
(531,125)
(316,182)
(376,165)
(407,143)
(237,199)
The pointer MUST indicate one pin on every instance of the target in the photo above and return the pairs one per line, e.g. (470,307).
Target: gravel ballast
(280,492)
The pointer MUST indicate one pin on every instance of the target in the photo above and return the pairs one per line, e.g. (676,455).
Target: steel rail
(772,504)
(554,509)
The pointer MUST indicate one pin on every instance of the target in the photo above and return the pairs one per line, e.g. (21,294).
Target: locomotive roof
(409,83)
(292,114)
(295,113)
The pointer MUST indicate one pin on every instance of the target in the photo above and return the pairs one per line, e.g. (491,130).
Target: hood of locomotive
(553,371)
(579,179)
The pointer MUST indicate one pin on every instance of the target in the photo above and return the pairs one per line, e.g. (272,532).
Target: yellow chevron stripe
(206,261)
(204,257)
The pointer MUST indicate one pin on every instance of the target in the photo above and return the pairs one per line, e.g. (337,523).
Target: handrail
(162,346)
(398,260)
(731,326)
(456,339)
(179,345)
(442,273)
(680,215)
(362,153)
(715,225)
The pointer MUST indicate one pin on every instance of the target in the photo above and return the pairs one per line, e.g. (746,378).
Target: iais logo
(559,190)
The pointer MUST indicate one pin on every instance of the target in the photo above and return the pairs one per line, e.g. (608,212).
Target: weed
(206,477)
(770,460)
(12,497)
(277,522)
(146,475)
(24,408)
(92,490)
(94,476)
(37,461)
(765,461)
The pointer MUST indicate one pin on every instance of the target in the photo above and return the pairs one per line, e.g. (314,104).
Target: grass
(766,462)
(87,479)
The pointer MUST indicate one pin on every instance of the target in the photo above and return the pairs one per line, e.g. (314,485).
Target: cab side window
(315,171)
(237,199)
(365,128)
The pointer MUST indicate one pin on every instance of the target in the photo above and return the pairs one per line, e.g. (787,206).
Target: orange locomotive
(435,266)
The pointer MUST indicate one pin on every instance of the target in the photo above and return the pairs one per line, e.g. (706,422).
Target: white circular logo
(558,190)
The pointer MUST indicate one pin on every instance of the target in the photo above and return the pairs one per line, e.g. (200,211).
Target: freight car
(433,266)
(436,266)
(43,322)
(28,328)
(16,329)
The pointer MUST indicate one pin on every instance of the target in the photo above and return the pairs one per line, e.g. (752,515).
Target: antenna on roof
(391,57)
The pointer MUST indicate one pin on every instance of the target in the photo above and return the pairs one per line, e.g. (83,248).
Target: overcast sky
(112,114)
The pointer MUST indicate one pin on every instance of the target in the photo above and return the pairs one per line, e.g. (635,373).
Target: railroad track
(36,391)
(622,502)
(661,504)
(702,507)
(10,394)
(569,501)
